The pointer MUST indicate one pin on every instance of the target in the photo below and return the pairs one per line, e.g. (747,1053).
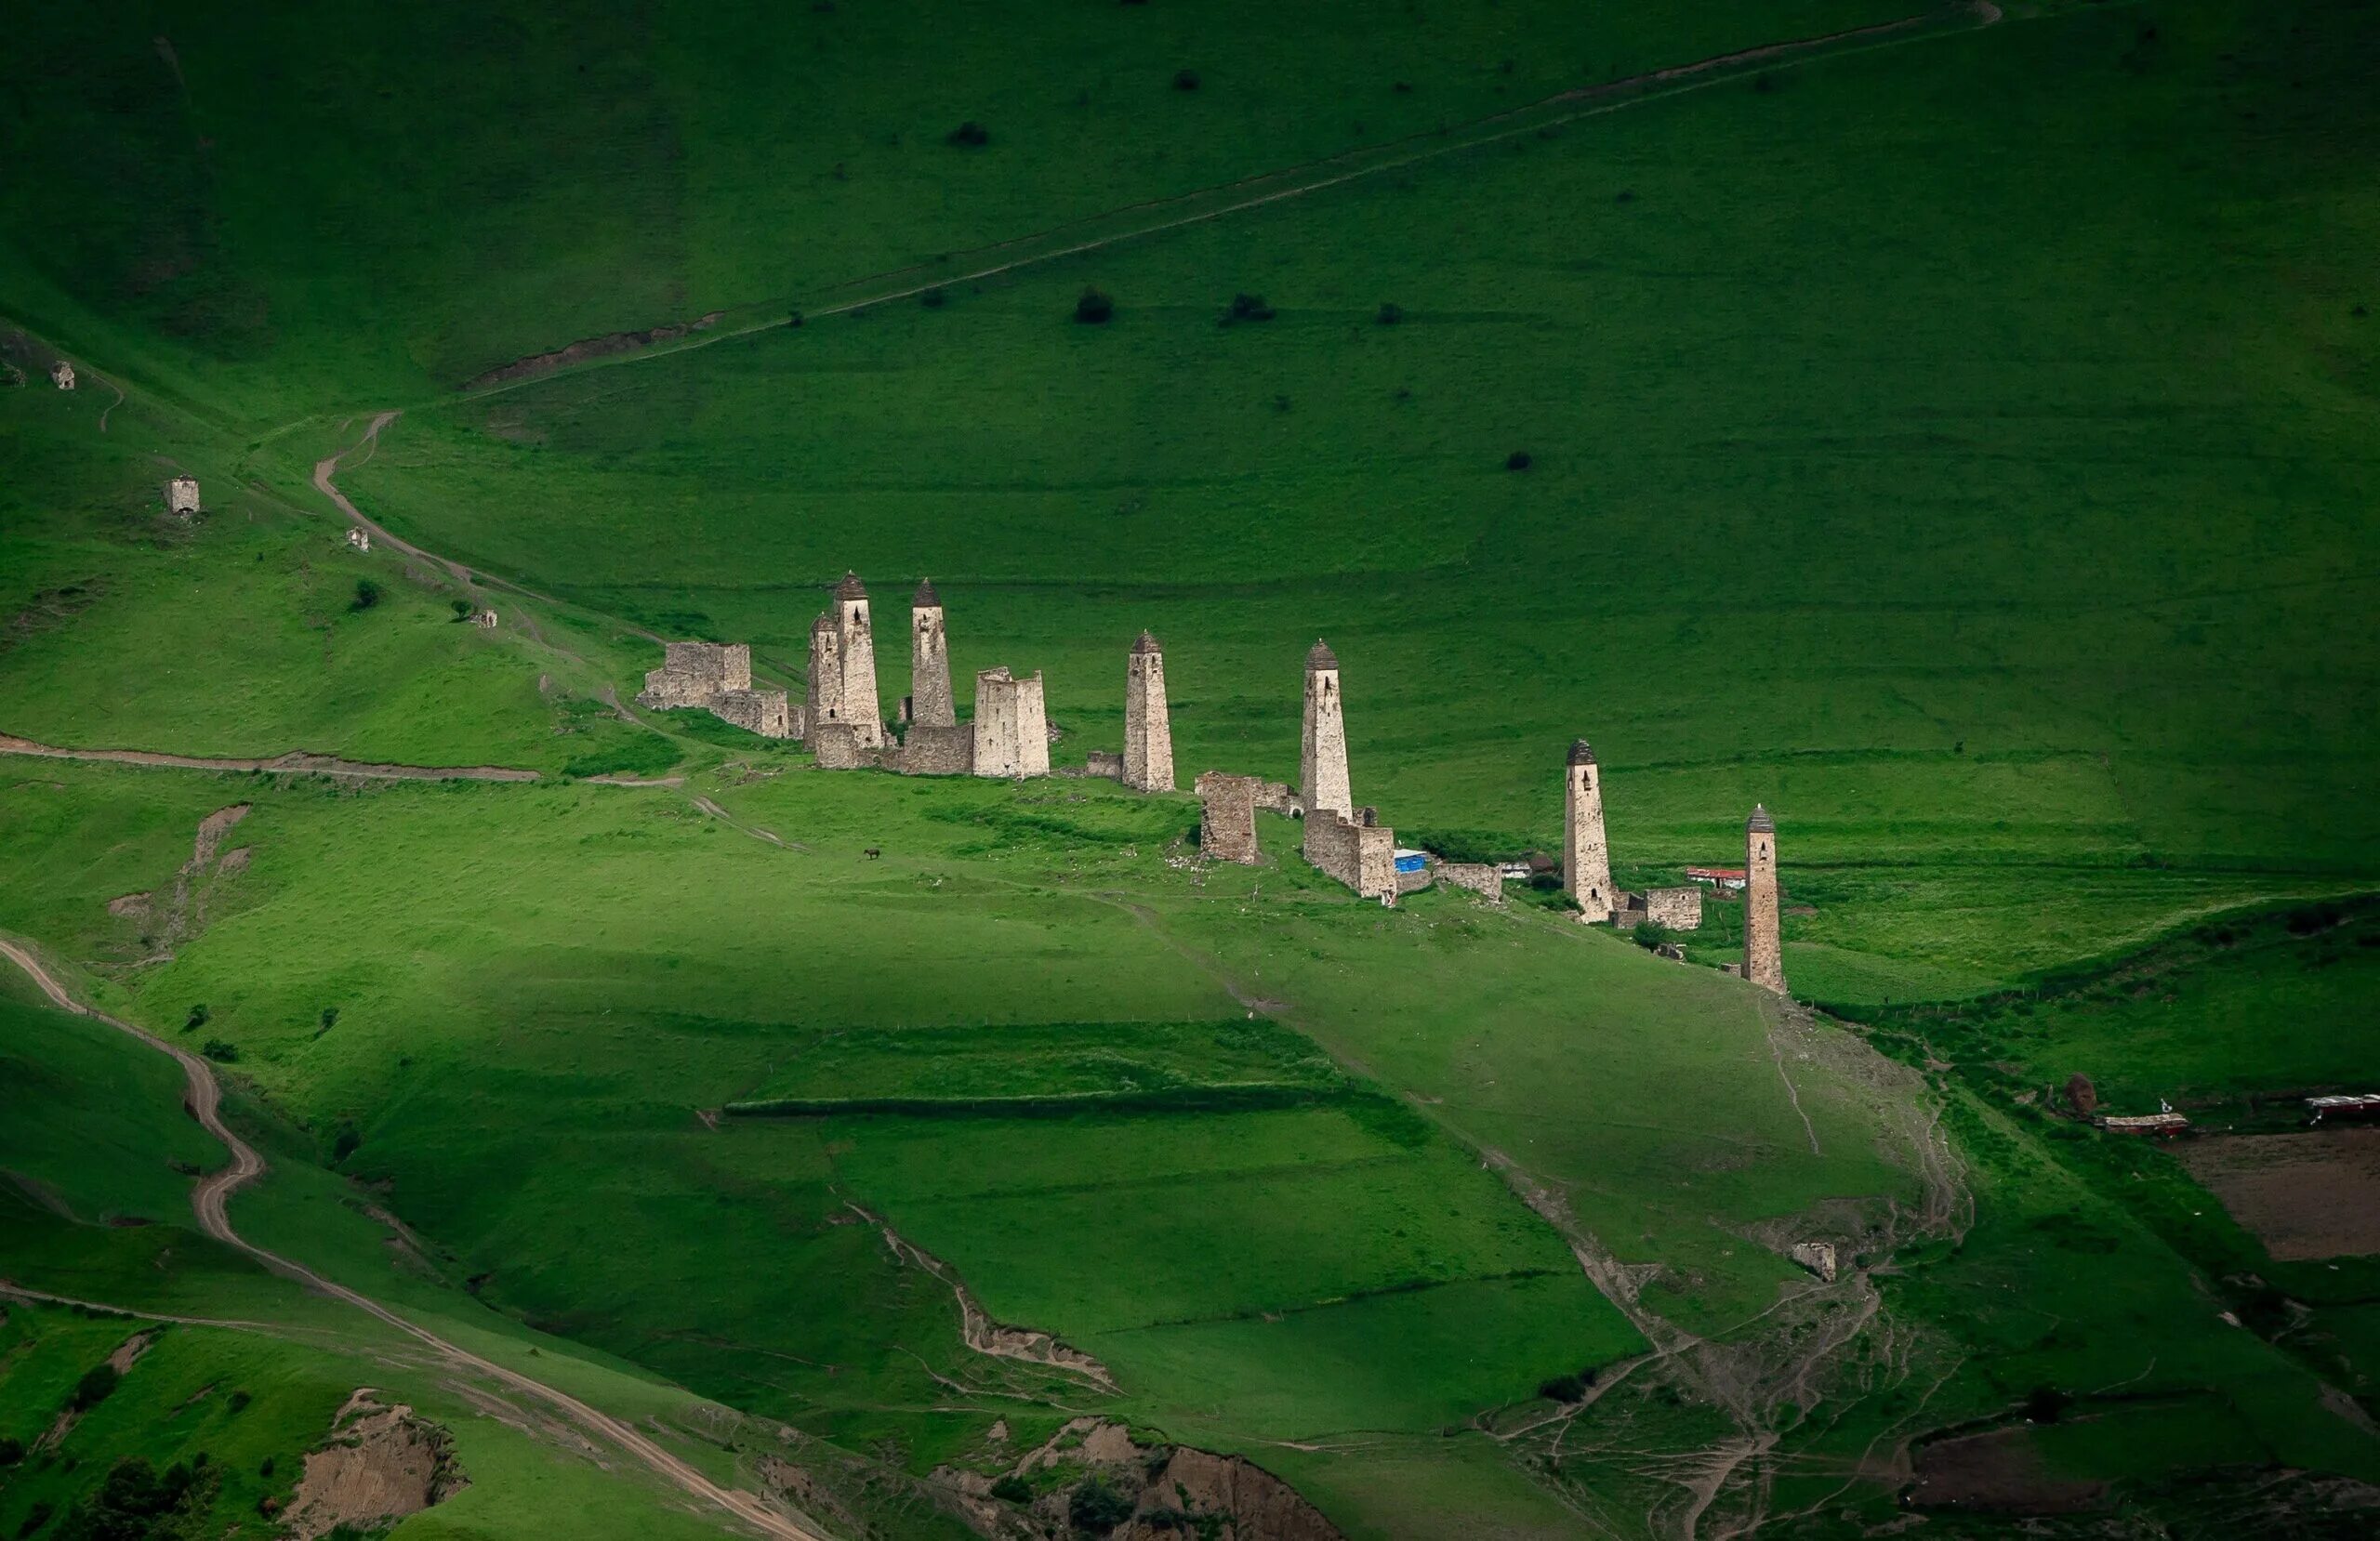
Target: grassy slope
(1899,448)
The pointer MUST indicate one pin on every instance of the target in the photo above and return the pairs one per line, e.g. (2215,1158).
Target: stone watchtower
(825,694)
(1148,732)
(1764,955)
(1586,859)
(1322,758)
(1012,725)
(929,703)
(860,704)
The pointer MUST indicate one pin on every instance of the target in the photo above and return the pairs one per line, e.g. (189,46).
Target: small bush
(1246,306)
(265,1469)
(97,1385)
(344,1144)
(12,1450)
(1563,1388)
(1517,461)
(970,135)
(1649,936)
(1098,1509)
(1012,1489)
(1389,315)
(932,299)
(1093,308)
(222,1052)
(36,1517)
(1185,80)
(197,1018)
(2046,1405)
(239,1400)
(330,1019)
(367,594)
(794,319)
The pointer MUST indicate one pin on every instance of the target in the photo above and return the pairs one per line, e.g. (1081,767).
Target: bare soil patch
(2308,1196)
(381,1464)
(1997,1473)
(538,364)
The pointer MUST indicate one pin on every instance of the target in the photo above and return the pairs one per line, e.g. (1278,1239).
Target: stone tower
(1322,758)
(861,708)
(929,703)
(1012,725)
(1148,733)
(1764,955)
(1586,859)
(825,694)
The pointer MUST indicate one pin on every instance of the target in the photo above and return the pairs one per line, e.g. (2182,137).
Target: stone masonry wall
(1678,909)
(181,493)
(1480,877)
(1105,764)
(1011,728)
(695,674)
(1362,857)
(930,751)
(823,700)
(1227,816)
(767,713)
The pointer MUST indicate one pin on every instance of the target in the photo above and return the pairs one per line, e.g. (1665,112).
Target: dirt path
(210,1200)
(295,763)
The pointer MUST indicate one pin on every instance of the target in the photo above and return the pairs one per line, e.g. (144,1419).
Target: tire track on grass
(210,1200)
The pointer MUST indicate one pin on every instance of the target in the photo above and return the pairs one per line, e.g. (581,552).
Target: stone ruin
(1672,909)
(485,619)
(1818,1256)
(181,496)
(717,678)
(1011,725)
(1484,878)
(62,375)
(1148,732)
(359,538)
(1227,816)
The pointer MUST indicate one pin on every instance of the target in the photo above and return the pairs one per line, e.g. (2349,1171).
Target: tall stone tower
(1012,725)
(825,697)
(1764,955)
(1322,758)
(930,703)
(861,708)
(1586,859)
(1148,732)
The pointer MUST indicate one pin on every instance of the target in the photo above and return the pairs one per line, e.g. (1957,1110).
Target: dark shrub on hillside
(2313,919)
(1093,308)
(462,609)
(794,319)
(198,1015)
(1389,315)
(239,1399)
(1012,1489)
(221,1051)
(345,1144)
(1097,1509)
(1185,80)
(97,1385)
(265,1469)
(36,1517)
(2046,1405)
(138,1501)
(1648,936)
(971,134)
(367,594)
(1517,461)
(932,299)
(1248,308)
(1563,1388)
(330,1020)
(2080,1095)
(12,1450)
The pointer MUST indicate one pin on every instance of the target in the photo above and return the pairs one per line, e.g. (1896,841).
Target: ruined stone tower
(825,694)
(861,708)
(1586,859)
(1764,955)
(1011,725)
(1148,732)
(929,703)
(1322,758)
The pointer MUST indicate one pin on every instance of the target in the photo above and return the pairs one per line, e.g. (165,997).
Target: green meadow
(1957,437)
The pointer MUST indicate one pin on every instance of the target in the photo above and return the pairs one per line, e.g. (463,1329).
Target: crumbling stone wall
(1480,877)
(1678,909)
(1764,954)
(1227,816)
(1362,856)
(838,747)
(696,673)
(1011,727)
(930,702)
(930,751)
(62,375)
(1148,730)
(823,695)
(1109,765)
(181,493)
(767,713)
(1322,755)
(1279,797)
(1586,861)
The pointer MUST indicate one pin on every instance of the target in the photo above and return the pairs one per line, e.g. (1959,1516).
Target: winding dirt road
(296,762)
(210,1200)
